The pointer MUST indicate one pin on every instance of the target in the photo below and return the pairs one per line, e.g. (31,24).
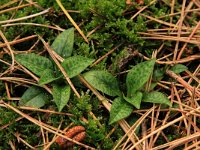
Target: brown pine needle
(106,55)
(190,36)
(10,50)
(18,41)
(180,23)
(183,82)
(33,24)
(23,141)
(13,8)
(8,4)
(163,127)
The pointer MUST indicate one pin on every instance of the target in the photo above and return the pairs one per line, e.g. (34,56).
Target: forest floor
(99,74)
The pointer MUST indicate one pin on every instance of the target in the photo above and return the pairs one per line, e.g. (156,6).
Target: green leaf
(138,76)
(75,65)
(120,109)
(63,44)
(34,97)
(178,68)
(48,76)
(36,63)
(103,81)
(152,86)
(158,74)
(156,97)
(61,95)
(135,99)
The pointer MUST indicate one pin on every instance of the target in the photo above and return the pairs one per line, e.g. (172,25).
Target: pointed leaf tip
(76,64)
(156,97)
(103,81)
(64,42)
(139,75)
(61,95)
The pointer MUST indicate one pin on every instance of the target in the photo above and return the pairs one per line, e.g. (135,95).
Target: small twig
(42,132)
(53,139)
(179,100)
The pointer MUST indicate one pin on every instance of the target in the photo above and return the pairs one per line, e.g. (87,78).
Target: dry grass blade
(72,21)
